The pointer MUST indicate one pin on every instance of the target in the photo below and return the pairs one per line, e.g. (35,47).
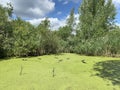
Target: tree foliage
(5,29)
(96,33)
(96,18)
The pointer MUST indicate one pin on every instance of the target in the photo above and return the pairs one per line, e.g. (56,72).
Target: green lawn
(60,72)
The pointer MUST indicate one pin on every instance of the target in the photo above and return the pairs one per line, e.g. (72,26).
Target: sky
(34,11)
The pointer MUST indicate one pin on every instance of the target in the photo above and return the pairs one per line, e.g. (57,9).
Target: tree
(5,29)
(64,32)
(47,41)
(22,34)
(96,18)
(70,20)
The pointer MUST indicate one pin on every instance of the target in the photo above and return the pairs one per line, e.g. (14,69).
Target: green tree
(22,37)
(96,18)
(47,41)
(71,20)
(64,32)
(5,29)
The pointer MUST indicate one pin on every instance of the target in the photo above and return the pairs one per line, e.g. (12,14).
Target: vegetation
(54,67)
(96,33)
(96,18)
(60,72)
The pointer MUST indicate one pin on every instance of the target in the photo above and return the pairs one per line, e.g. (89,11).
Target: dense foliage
(96,33)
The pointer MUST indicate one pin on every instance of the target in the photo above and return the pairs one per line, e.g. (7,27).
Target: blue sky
(118,15)
(62,8)
(34,11)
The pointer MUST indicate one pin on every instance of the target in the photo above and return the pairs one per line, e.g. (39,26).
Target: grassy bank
(60,72)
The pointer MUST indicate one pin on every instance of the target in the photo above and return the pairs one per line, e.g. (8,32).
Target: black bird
(83,61)
(24,59)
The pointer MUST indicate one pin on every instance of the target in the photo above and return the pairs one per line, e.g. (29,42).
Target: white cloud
(118,24)
(66,2)
(58,13)
(117,3)
(31,8)
(55,22)
(35,22)
(3,2)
